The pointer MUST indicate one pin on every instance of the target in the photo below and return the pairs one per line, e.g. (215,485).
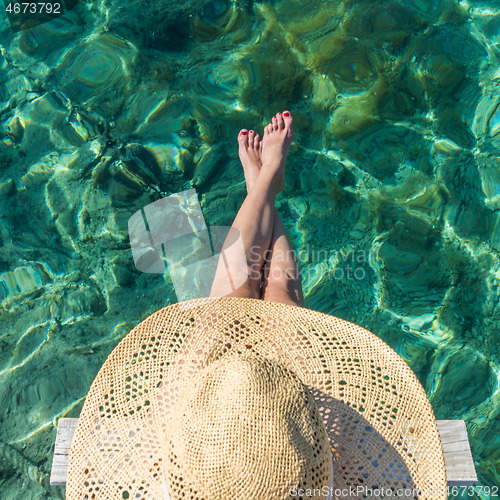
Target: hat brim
(379,421)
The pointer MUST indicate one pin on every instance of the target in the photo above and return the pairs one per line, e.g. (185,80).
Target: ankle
(269,181)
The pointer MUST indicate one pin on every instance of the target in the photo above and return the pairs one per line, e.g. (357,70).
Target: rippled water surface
(392,193)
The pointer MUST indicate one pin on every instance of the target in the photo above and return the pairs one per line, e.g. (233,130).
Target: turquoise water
(392,192)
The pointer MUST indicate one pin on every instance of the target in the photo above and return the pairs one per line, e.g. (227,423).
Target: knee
(248,290)
(283,296)
(281,278)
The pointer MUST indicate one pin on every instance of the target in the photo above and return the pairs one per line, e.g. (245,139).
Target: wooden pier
(460,469)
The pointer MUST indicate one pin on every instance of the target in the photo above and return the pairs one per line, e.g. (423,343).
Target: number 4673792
(33,8)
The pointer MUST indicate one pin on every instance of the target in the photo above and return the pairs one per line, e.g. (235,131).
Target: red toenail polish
(286,113)
(244,132)
(251,131)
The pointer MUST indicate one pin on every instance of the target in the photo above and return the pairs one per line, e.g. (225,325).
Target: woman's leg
(241,261)
(282,281)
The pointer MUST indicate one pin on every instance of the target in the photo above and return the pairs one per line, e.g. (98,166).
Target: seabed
(113,105)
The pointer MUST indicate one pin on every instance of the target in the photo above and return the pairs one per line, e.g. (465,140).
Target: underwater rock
(486,125)
(45,382)
(390,24)
(130,172)
(63,204)
(49,109)
(445,148)
(222,81)
(298,207)
(75,132)
(347,121)
(323,91)
(322,172)
(48,40)
(14,462)
(396,103)
(23,280)
(215,19)
(28,345)
(7,188)
(381,150)
(35,134)
(77,301)
(207,163)
(490,180)
(161,120)
(467,307)
(15,128)
(456,42)
(495,232)
(430,200)
(123,271)
(466,210)
(137,166)
(85,158)
(410,264)
(206,110)
(96,72)
(454,115)
(451,372)
(171,160)
(305,18)
(17,87)
(397,260)
(54,120)
(352,67)
(161,28)
(428,9)
(418,352)
(273,83)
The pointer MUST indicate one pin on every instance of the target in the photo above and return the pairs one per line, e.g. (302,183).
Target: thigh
(285,294)
(247,291)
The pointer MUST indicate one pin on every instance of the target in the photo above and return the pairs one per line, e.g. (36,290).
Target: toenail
(244,132)
(286,113)
(251,131)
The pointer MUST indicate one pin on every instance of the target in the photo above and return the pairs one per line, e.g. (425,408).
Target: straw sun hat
(248,399)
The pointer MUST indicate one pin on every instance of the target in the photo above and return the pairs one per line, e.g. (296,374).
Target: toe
(279,119)
(287,118)
(256,141)
(251,134)
(243,138)
(275,123)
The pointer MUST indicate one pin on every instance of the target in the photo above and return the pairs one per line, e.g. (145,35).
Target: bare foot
(250,152)
(278,136)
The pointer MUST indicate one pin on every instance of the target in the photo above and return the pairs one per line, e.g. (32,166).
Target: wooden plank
(59,470)
(460,468)
(458,461)
(65,432)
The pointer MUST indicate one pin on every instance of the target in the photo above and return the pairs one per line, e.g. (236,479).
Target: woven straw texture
(379,423)
(245,424)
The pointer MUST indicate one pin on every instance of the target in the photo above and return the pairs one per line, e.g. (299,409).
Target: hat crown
(246,425)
